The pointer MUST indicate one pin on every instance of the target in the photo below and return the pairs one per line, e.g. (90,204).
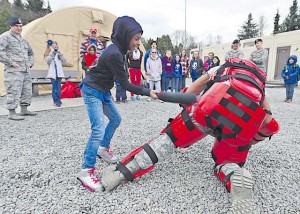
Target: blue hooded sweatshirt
(111,64)
(177,69)
(290,72)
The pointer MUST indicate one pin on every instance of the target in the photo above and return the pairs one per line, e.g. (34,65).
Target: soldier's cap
(49,42)
(236,41)
(14,20)
(93,30)
(257,40)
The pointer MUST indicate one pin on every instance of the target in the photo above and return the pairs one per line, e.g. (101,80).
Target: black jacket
(111,64)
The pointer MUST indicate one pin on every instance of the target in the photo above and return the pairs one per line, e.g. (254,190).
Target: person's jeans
(289,91)
(120,93)
(182,82)
(56,90)
(101,135)
(165,83)
(175,84)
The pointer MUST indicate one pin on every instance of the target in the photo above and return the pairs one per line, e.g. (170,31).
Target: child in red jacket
(89,60)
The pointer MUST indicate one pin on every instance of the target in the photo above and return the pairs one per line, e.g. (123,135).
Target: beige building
(279,46)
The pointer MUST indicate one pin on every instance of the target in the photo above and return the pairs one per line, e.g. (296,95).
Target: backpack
(70,90)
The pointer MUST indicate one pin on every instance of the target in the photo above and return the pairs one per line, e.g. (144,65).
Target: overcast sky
(204,18)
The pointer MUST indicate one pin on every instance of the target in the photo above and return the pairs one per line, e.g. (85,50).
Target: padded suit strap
(150,153)
(125,171)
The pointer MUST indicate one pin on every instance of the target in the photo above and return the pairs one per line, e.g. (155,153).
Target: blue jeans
(289,91)
(56,90)
(182,82)
(101,135)
(165,83)
(120,93)
(175,84)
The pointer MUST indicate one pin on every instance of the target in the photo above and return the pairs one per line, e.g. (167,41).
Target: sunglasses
(153,52)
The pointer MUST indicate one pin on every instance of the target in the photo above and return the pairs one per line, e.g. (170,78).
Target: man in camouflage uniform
(260,56)
(235,52)
(17,57)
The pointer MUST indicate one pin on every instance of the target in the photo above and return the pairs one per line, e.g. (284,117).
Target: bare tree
(262,25)
(218,39)
(178,37)
(210,40)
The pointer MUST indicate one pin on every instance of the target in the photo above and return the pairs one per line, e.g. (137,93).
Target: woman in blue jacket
(290,75)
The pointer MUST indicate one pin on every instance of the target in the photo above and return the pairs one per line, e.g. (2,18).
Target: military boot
(24,112)
(13,116)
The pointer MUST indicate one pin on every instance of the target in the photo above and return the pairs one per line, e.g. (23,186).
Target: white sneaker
(161,101)
(149,99)
(241,191)
(107,155)
(89,179)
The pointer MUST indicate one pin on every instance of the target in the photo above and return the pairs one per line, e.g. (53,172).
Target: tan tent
(68,27)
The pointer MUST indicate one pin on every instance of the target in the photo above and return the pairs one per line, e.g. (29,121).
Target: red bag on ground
(70,90)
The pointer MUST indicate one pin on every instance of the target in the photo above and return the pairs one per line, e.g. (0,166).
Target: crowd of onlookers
(162,71)
(168,72)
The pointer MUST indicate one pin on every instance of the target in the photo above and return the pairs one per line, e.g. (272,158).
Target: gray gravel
(39,159)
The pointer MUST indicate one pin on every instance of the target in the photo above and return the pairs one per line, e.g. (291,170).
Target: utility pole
(185,24)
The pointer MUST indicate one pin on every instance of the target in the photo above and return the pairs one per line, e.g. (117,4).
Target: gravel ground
(39,159)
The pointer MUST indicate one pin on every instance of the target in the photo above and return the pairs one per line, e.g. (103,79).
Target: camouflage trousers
(18,87)
(161,145)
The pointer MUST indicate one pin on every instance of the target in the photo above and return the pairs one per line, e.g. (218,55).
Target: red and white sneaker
(89,179)
(107,155)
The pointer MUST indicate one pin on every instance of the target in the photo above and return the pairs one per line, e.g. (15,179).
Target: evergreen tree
(5,4)
(276,23)
(148,45)
(5,13)
(249,29)
(165,43)
(18,4)
(18,9)
(292,21)
(35,6)
(28,11)
(48,9)
(4,17)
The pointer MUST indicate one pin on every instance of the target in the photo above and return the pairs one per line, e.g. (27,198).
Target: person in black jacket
(95,88)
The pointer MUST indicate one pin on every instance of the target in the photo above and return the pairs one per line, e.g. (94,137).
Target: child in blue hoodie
(95,88)
(290,74)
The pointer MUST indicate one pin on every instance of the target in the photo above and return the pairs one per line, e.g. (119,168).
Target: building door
(283,54)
